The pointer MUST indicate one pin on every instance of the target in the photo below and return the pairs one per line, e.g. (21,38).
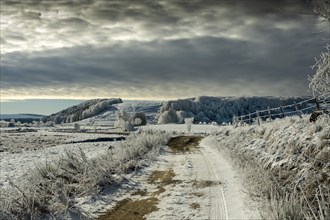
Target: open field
(164,172)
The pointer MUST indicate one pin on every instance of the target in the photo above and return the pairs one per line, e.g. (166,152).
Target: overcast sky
(145,49)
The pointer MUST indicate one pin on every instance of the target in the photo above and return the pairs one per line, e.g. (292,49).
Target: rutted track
(204,180)
(218,206)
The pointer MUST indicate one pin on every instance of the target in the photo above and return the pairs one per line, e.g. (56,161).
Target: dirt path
(230,201)
(190,181)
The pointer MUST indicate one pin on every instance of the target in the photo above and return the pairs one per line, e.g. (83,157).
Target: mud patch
(140,193)
(198,194)
(101,139)
(183,144)
(205,183)
(195,205)
(160,190)
(128,209)
(162,177)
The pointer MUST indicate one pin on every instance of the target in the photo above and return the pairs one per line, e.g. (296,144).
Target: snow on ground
(220,198)
(182,128)
(204,185)
(23,151)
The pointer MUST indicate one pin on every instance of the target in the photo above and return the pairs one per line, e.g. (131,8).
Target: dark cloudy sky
(150,49)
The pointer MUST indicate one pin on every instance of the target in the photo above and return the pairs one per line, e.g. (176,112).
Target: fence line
(317,104)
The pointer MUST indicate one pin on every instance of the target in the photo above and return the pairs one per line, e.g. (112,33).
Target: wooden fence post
(249,118)
(281,108)
(297,109)
(235,121)
(270,114)
(258,119)
(317,104)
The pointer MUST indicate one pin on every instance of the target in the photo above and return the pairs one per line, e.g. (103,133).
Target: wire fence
(269,114)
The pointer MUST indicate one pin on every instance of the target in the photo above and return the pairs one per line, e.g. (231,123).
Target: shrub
(123,121)
(168,116)
(11,124)
(189,122)
(76,127)
(286,157)
(139,119)
(3,124)
(320,82)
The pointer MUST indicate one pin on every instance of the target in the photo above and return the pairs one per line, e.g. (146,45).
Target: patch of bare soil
(195,205)
(162,177)
(205,183)
(140,193)
(128,209)
(183,144)
(159,191)
(198,194)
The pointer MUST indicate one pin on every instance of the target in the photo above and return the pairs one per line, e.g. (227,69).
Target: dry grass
(285,165)
(53,187)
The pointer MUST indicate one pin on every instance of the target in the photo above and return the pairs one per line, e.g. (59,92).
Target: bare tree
(320,81)
(322,7)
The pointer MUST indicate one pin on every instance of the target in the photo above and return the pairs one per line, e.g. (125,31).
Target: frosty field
(24,150)
(271,171)
(197,190)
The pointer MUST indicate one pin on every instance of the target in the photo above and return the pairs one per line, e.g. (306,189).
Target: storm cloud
(157,49)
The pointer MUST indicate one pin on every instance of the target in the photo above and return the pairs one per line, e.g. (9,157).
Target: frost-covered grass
(54,187)
(286,162)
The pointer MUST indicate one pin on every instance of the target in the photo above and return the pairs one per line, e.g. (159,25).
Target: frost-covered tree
(320,81)
(322,7)
(50,124)
(139,119)
(3,124)
(123,121)
(168,116)
(181,115)
(76,127)
(189,122)
(12,123)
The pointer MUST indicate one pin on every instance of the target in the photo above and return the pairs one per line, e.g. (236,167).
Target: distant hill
(24,118)
(203,109)
(82,111)
(108,117)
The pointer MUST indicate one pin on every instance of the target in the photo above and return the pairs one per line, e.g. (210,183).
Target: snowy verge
(288,161)
(53,188)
